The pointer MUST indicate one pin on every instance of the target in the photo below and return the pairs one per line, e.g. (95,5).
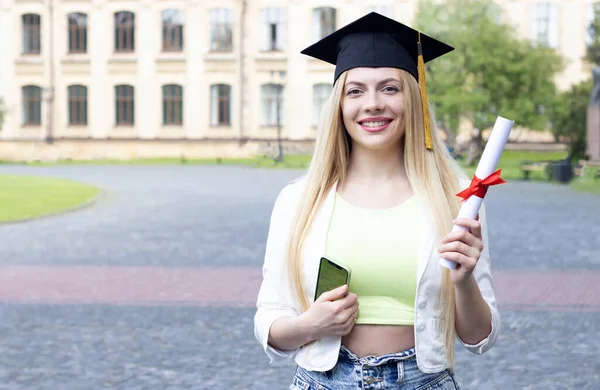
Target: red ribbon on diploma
(479,187)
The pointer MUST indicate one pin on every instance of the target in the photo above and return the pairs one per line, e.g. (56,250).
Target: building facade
(206,72)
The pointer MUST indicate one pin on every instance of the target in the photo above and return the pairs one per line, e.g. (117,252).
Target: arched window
(324,22)
(77,32)
(124,32)
(124,105)
(77,105)
(220,105)
(272,29)
(172,30)
(272,104)
(320,94)
(172,98)
(30,39)
(32,105)
(221,29)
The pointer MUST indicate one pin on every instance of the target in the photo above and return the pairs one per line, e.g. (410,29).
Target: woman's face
(373,107)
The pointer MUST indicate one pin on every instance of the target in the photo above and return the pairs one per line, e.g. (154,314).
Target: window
(31,34)
(384,10)
(172,30)
(221,35)
(272,29)
(272,104)
(544,24)
(77,32)
(32,105)
(124,105)
(220,105)
(320,94)
(124,32)
(172,96)
(77,105)
(323,22)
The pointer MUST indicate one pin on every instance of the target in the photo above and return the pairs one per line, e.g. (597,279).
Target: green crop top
(380,246)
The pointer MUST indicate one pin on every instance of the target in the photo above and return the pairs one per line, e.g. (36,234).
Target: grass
(25,197)
(585,184)
(510,162)
(292,161)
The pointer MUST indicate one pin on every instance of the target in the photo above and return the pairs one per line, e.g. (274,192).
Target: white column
(147,95)
(195,93)
(100,92)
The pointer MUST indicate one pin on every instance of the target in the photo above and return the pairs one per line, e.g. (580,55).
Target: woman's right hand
(332,314)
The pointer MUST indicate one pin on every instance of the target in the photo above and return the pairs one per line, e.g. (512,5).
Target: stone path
(152,288)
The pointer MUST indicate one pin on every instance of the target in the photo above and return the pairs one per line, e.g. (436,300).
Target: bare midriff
(378,340)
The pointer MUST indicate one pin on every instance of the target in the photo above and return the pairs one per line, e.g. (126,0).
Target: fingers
(352,311)
(350,321)
(460,247)
(472,224)
(468,263)
(349,300)
(466,237)
(334,294)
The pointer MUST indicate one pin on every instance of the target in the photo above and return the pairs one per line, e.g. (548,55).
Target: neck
(372,166)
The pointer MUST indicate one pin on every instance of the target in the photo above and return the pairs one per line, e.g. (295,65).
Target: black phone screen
(330,276)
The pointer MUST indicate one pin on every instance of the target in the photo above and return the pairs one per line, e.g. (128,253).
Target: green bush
(568,116)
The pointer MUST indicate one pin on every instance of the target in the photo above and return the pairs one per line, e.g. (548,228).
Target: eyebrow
(379,83)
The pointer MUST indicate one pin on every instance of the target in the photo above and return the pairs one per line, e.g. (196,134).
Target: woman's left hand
(463,247)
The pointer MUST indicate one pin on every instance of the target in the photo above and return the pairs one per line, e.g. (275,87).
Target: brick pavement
(238,287)
(141,321)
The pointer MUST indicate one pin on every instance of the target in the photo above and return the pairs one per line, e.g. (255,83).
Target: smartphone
(332,274)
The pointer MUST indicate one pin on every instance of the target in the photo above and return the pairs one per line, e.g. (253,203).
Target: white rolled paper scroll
(487,165)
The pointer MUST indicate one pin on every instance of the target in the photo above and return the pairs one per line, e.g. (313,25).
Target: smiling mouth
(375,126)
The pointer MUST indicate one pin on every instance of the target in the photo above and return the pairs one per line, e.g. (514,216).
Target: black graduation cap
(375,41)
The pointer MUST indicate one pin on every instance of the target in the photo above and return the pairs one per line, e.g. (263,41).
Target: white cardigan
(274,298)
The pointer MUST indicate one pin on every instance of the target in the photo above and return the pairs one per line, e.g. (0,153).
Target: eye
(353,91)
(391,88)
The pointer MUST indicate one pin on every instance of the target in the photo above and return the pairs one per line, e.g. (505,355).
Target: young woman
(380,198)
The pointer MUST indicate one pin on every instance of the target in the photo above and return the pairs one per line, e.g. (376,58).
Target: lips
(374,125)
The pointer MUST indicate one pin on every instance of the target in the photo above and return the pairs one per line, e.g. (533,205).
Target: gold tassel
(424,102)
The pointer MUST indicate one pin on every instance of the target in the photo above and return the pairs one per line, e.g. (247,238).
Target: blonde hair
(430,173)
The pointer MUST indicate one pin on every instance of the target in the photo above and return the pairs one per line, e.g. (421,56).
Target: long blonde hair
(430,174)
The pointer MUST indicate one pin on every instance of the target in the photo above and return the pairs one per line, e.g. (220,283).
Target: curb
(87,204)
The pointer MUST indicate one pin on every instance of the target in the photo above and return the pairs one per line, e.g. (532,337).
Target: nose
(374,103)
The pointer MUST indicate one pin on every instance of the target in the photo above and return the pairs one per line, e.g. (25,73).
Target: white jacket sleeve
(274,299)
(483,277)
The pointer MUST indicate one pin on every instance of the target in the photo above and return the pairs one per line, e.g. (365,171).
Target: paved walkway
(153,287)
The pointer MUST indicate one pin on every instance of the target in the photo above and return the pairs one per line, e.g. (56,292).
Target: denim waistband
(372,360)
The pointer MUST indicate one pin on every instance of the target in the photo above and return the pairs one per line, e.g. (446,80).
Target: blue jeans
(397,371)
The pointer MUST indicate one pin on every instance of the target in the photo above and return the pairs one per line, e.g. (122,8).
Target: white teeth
(374,124)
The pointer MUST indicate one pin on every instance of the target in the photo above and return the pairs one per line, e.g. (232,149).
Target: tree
(593,44)
(492,71)
(568,116)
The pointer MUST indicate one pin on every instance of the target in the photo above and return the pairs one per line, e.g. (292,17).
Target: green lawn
(24,197)
(296,161)
(510,162)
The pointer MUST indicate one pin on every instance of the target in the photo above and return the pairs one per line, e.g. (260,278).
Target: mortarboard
(378,41)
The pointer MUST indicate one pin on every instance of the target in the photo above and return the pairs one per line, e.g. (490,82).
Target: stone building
(124,78)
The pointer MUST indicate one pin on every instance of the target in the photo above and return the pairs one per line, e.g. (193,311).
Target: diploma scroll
(484,175)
